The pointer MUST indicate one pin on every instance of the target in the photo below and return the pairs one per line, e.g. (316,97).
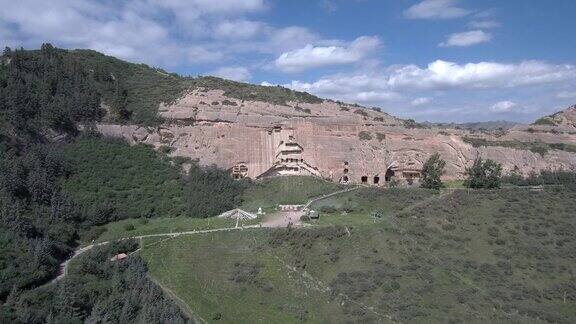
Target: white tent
(237,214)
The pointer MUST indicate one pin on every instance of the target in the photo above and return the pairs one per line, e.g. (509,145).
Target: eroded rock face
(336,141)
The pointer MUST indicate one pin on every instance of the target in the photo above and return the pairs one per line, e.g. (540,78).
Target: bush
(364,136)
(129,227)
(484,174)
(328,209)
(411,123)
(432,171)
(545,121)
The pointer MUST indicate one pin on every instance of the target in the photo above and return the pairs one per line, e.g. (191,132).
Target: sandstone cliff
(339,141)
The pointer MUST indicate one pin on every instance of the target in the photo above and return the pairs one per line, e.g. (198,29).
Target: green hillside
(479,256)
(133,92)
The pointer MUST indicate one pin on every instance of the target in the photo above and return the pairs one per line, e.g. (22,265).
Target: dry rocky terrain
(339,141)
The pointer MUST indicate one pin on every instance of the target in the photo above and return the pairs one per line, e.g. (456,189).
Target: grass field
(362,202)
(482,256)
(143,226)
(269,193)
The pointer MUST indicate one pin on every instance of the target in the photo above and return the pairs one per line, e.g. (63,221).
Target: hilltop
(258,131)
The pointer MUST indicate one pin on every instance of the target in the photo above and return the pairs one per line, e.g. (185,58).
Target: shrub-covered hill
(464,257)
(45,97)
(133,92)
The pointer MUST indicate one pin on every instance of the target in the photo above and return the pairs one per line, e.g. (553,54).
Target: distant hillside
(133,92)
(566,117)
(476,126)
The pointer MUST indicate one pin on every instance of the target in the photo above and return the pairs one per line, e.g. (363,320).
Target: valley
(116,179)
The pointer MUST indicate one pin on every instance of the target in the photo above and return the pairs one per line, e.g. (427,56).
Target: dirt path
(64,265)
(310,202)
(283,219)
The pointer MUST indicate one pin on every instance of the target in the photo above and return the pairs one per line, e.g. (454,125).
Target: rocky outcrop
(337,141)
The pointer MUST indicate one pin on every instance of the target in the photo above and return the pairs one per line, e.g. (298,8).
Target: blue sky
(436,60)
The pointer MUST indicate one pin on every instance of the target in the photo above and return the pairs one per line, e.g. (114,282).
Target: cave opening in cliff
(388,176)
(376,179)
(364,179)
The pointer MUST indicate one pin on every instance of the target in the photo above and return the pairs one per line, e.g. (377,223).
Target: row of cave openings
(364,179)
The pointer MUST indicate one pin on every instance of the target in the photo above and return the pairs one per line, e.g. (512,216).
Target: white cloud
(234,7)
(315,56)
(435,9)
(395,82)
(351,88)
(237,73)
(566,94)
(468,38)
(483,24)
(503,106)
(291,37)
(328,6)
(167,33)
(238,29)
(441,75)
(420,101)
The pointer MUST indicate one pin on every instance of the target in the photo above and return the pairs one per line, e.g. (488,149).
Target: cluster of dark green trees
(57,178)
(41,97)
(485,174)
(95,290)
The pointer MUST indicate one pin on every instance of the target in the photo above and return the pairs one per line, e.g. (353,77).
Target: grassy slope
(268,193)
(201,271)
(366,200)
(146,87)
(122,229)
(484,256)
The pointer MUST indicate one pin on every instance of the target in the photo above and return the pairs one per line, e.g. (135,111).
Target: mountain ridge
(240,126)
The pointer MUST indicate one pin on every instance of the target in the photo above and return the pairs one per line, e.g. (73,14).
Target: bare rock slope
(338,141)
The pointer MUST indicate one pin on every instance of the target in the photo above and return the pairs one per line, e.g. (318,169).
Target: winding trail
(64,265)
(313,200)
(279,221)
(63,268)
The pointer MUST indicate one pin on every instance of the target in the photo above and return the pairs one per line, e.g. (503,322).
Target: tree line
(487,174)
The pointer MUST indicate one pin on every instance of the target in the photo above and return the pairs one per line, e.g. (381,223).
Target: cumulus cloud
(483,24)
(328,6)
(291,37)
(436,9)
(236,73)
(315,56)
(446,75)
(238,29)
(395,82)
(166,33)
(566,94)
(420,101)
(351,88)
(503,106)
(467,38)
